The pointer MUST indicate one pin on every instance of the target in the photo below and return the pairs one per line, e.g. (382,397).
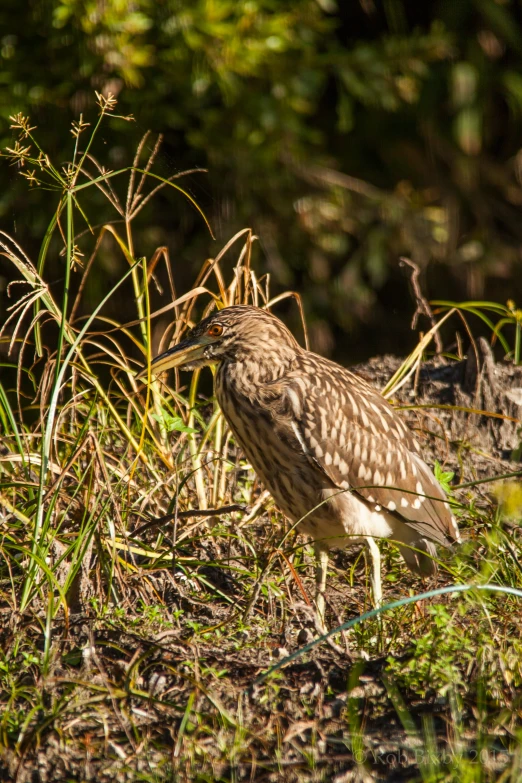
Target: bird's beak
(186,352)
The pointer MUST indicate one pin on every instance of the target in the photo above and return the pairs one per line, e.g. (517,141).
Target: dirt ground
(470,444)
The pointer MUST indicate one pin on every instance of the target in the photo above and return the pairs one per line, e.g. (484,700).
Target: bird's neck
(245,374)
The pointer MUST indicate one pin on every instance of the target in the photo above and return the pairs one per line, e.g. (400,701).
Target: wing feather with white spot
(354,436)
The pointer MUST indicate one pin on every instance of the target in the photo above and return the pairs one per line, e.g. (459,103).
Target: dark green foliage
(345,134)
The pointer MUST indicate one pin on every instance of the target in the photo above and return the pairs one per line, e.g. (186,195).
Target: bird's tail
(418,562)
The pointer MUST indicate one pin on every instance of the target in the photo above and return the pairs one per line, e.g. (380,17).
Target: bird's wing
(354,436)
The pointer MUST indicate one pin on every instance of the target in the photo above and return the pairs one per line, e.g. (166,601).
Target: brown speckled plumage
(311,429)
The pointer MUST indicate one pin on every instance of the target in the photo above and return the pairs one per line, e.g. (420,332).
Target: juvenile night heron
(330,449)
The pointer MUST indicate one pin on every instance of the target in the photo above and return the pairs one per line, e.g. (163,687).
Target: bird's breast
(270,447)
(276,455)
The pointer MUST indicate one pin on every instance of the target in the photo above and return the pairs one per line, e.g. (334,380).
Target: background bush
(345,134)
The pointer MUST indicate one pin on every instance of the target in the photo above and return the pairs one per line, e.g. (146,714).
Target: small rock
(305,636)
(157,684)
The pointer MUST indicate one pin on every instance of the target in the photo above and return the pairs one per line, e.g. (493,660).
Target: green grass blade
(457,588)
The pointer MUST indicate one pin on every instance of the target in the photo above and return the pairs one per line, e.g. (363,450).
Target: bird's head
(238,333)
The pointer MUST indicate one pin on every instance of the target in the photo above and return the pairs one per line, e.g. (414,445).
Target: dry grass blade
(410,364)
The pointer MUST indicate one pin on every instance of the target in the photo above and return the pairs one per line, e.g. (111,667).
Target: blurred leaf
(464,84)
(172,423)
(509,496)
(468,130)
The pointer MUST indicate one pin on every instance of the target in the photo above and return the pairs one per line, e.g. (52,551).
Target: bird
(337,458)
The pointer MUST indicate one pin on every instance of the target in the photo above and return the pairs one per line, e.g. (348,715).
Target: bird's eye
(215,331)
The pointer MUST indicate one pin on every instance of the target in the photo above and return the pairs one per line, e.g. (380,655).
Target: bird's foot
(317,618)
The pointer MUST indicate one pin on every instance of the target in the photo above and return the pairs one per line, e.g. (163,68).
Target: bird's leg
(375,557)
(320,580)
